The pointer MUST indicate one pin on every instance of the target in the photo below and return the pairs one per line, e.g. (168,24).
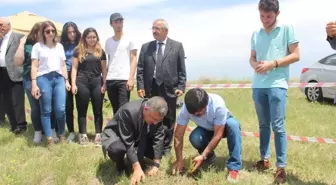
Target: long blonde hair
(82,46)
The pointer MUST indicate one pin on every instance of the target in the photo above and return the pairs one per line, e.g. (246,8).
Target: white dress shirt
(3,49)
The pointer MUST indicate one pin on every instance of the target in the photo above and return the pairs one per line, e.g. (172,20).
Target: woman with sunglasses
(88,82)
(50,79)
(69,39)
(23,58)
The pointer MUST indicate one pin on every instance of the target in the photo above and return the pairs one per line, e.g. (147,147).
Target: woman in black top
(88,81)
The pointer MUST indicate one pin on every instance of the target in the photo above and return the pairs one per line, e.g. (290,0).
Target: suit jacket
(14,71)
(128,125)
(332,42)
(173,67)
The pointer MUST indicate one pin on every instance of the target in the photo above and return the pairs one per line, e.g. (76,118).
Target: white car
(322,71)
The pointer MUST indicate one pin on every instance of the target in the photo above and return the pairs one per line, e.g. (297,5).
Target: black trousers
(13,100)
(117,150)
(70,108)
(169,120)
(2,110)
(117,93)
(89,88)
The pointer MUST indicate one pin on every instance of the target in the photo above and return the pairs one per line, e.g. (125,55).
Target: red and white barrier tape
(252,134)
(289,138)
(246,86)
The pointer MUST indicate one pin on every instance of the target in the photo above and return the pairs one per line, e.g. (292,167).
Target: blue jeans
(200,138)
(53,95)
(35,113)
(270,105)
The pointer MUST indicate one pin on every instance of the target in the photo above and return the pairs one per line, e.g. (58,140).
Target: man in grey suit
(2,107)
(161,72)
(11,87)
(331,32)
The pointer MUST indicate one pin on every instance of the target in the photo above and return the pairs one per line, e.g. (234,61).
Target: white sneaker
(54,135)
(97,141)
(37,137)
(71,137)
(83,139)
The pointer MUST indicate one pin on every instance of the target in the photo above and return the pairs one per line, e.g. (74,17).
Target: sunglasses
(50,31)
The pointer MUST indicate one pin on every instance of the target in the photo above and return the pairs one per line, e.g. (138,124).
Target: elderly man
(161,72)
(2,108)
(11,84)
(136,130)
(331,32)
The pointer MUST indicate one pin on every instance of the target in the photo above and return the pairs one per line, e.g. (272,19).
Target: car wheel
(314,93)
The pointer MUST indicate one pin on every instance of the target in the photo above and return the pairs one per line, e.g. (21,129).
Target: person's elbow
(295,53)
(18,61)
(296,56)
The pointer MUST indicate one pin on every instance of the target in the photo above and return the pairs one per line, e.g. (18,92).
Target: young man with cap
(214,122)
(122,60)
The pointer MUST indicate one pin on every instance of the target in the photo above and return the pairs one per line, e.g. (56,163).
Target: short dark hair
(195,100)
(269,5)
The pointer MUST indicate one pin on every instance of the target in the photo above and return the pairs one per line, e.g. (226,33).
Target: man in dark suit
(2,108)
(136,130)
(331,34)
(11,84)
(161,72)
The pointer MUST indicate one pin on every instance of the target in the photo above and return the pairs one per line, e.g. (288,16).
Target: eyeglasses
(156,28)
(50,31)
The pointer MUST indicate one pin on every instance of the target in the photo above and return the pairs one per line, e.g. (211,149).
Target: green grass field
(22,162)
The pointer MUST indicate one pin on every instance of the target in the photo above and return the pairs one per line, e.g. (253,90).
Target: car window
(331,61)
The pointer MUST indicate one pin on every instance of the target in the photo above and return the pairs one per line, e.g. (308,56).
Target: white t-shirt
(50,59)
(119,58)
(3,49)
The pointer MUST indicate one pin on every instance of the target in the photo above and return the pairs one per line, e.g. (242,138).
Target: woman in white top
(50,79)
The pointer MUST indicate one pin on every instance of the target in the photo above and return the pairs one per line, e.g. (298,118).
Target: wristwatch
(156,164)
(204,157)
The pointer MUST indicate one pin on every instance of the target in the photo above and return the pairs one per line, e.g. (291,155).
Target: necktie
(159,58)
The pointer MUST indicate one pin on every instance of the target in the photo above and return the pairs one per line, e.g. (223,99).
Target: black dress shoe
(19,131)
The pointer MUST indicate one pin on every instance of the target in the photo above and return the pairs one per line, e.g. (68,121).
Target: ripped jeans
(53,92)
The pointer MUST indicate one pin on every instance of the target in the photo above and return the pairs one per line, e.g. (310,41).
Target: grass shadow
(219,165)
(27,135)
(324,101)
(294,180)
(106,172)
